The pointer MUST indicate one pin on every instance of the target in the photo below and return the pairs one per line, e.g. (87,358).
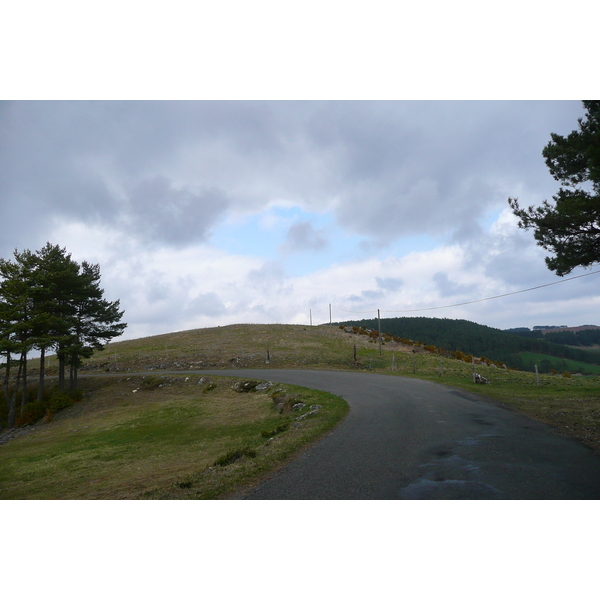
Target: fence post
(537,376)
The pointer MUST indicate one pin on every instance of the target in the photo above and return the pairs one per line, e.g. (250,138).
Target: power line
(537,287)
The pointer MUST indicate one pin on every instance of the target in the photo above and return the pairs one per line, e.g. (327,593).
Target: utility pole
(330,314)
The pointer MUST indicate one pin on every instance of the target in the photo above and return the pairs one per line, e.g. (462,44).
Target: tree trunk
(24,396)
(40,394)
(12,409)
(10,405)
(61,370)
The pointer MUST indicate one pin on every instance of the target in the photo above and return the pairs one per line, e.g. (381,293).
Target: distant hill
(584,335)
(513,349)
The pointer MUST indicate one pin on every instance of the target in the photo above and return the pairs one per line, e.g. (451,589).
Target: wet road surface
(410,439)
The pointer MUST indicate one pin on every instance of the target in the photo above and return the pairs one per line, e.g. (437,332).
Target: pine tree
(53,287)
(96,321)
(570,228)
(50,302)
(17,320)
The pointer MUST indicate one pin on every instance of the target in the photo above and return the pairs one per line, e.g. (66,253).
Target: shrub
(59,401)
(76,395)
(234,455)
(31,413)
(284,402)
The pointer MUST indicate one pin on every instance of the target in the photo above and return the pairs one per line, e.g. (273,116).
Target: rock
(314,409)
(298,406)
(264,386)
(477,378)
(243,387)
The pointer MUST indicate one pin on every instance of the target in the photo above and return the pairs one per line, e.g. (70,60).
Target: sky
(257,163)
(205,213)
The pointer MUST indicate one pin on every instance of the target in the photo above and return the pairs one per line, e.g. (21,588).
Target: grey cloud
(209,305)
(389,284)
(269,277)
(160,212)
(157,288)
(449,288)
(302,237)
(394,168)
(460,158)
(366,295)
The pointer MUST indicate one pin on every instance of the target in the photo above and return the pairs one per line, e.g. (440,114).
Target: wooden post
(537,376)
(311,317)
(440,366)
(268,355)
(393,361)
(330,314)
(355,359)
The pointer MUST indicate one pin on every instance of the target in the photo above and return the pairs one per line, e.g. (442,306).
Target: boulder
(243,387)
(262,387)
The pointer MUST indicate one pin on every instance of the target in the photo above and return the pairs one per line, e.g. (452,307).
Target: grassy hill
(149,427)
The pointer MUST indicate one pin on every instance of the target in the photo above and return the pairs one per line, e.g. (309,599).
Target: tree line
(585,337)
(479,340)
(51,303)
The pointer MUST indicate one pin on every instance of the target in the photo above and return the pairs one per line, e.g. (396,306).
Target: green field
(545,363)
(171,438)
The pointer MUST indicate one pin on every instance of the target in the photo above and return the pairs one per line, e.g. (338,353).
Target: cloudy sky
(204,213)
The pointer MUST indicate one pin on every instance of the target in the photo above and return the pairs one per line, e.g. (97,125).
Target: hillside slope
(479,340)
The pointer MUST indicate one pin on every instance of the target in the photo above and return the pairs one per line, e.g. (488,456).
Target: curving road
(411,439)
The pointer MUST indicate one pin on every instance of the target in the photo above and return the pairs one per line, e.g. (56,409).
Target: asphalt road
(410,439)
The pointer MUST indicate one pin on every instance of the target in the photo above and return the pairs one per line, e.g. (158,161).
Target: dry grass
(233,346)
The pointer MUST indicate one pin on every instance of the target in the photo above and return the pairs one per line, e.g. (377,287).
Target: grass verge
(164,437)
